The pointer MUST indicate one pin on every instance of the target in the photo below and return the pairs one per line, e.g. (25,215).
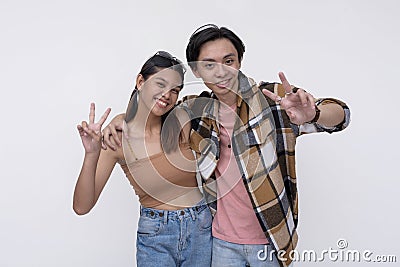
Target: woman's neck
(145,123)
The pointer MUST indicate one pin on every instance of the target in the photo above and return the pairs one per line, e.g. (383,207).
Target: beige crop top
(163,178)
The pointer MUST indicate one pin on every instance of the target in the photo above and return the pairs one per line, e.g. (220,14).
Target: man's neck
(228,99)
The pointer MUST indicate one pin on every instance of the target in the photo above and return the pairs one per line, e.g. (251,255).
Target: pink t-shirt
(235,220)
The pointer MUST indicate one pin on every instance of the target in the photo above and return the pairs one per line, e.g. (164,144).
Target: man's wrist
(316,117)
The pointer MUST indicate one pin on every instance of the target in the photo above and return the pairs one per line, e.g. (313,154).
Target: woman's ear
(139,81)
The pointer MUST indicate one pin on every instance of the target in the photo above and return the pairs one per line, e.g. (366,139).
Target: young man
(245,146)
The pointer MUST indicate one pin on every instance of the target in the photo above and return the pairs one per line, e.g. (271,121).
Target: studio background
(58,56)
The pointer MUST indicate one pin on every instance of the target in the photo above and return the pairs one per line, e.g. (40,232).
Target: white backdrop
(58,56)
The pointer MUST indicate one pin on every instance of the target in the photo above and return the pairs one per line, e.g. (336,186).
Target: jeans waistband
(173,214)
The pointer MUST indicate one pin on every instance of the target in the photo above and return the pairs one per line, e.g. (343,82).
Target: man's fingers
(109,142)
(310,99)
(103,145)
(285,83)
(114,134)
(125,132)
(271,95)
(107,136)
(92,113)
(303,97)
(292,115)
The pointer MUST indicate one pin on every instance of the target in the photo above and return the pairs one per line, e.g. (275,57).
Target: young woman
(175,223)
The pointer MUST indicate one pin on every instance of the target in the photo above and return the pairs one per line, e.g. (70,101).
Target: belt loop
(191,210)
(165,216)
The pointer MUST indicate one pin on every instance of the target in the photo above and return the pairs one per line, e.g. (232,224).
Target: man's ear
(139,81)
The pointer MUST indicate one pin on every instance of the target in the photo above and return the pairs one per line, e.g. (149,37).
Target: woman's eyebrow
(162,79)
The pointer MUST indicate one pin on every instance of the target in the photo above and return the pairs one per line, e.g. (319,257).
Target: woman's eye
(161,85)
(175,91)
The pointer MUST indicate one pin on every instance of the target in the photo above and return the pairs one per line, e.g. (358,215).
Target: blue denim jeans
(174,238)
(226,254)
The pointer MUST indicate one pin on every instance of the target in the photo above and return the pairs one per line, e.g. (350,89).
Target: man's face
(218,66)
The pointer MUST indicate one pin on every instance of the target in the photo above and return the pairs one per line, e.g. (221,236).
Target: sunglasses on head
(174,61)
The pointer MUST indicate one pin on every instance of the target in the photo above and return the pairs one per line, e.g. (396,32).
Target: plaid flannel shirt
(264,146)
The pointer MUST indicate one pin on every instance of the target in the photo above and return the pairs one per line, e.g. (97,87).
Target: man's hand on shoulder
(110,132)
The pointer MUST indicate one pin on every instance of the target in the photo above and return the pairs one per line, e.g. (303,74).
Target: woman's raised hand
(91,132)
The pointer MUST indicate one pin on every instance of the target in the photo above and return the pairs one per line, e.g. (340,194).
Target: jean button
(151,213)
(182,212)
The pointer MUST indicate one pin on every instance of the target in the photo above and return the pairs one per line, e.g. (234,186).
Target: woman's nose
(166,94)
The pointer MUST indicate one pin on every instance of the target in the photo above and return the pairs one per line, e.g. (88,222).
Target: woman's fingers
(104,117)
(92,133)
(92,113)
(80,130)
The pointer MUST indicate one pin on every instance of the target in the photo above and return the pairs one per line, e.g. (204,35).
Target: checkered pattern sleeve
(316,127)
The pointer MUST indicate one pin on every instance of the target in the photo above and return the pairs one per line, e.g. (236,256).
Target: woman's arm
(97,164)
(95,172)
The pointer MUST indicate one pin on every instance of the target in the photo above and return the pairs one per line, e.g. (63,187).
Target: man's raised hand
(298,104)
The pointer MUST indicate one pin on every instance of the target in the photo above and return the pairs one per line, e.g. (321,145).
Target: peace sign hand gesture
(91,133)
(298,104)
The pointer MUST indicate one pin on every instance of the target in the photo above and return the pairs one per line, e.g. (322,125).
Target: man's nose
(221,70)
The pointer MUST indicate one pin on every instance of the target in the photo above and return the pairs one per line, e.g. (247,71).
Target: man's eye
(209,65)
(229,62)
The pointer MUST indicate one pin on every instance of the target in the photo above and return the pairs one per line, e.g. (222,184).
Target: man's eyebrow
(213,60)
(208,59)
(229,55)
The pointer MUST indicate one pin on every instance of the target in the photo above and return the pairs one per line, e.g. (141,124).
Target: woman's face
(160,91)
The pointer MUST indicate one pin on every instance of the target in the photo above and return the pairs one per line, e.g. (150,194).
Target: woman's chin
(160,112)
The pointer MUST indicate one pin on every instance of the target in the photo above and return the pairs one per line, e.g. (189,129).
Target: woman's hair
(211,32)
(170,126)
